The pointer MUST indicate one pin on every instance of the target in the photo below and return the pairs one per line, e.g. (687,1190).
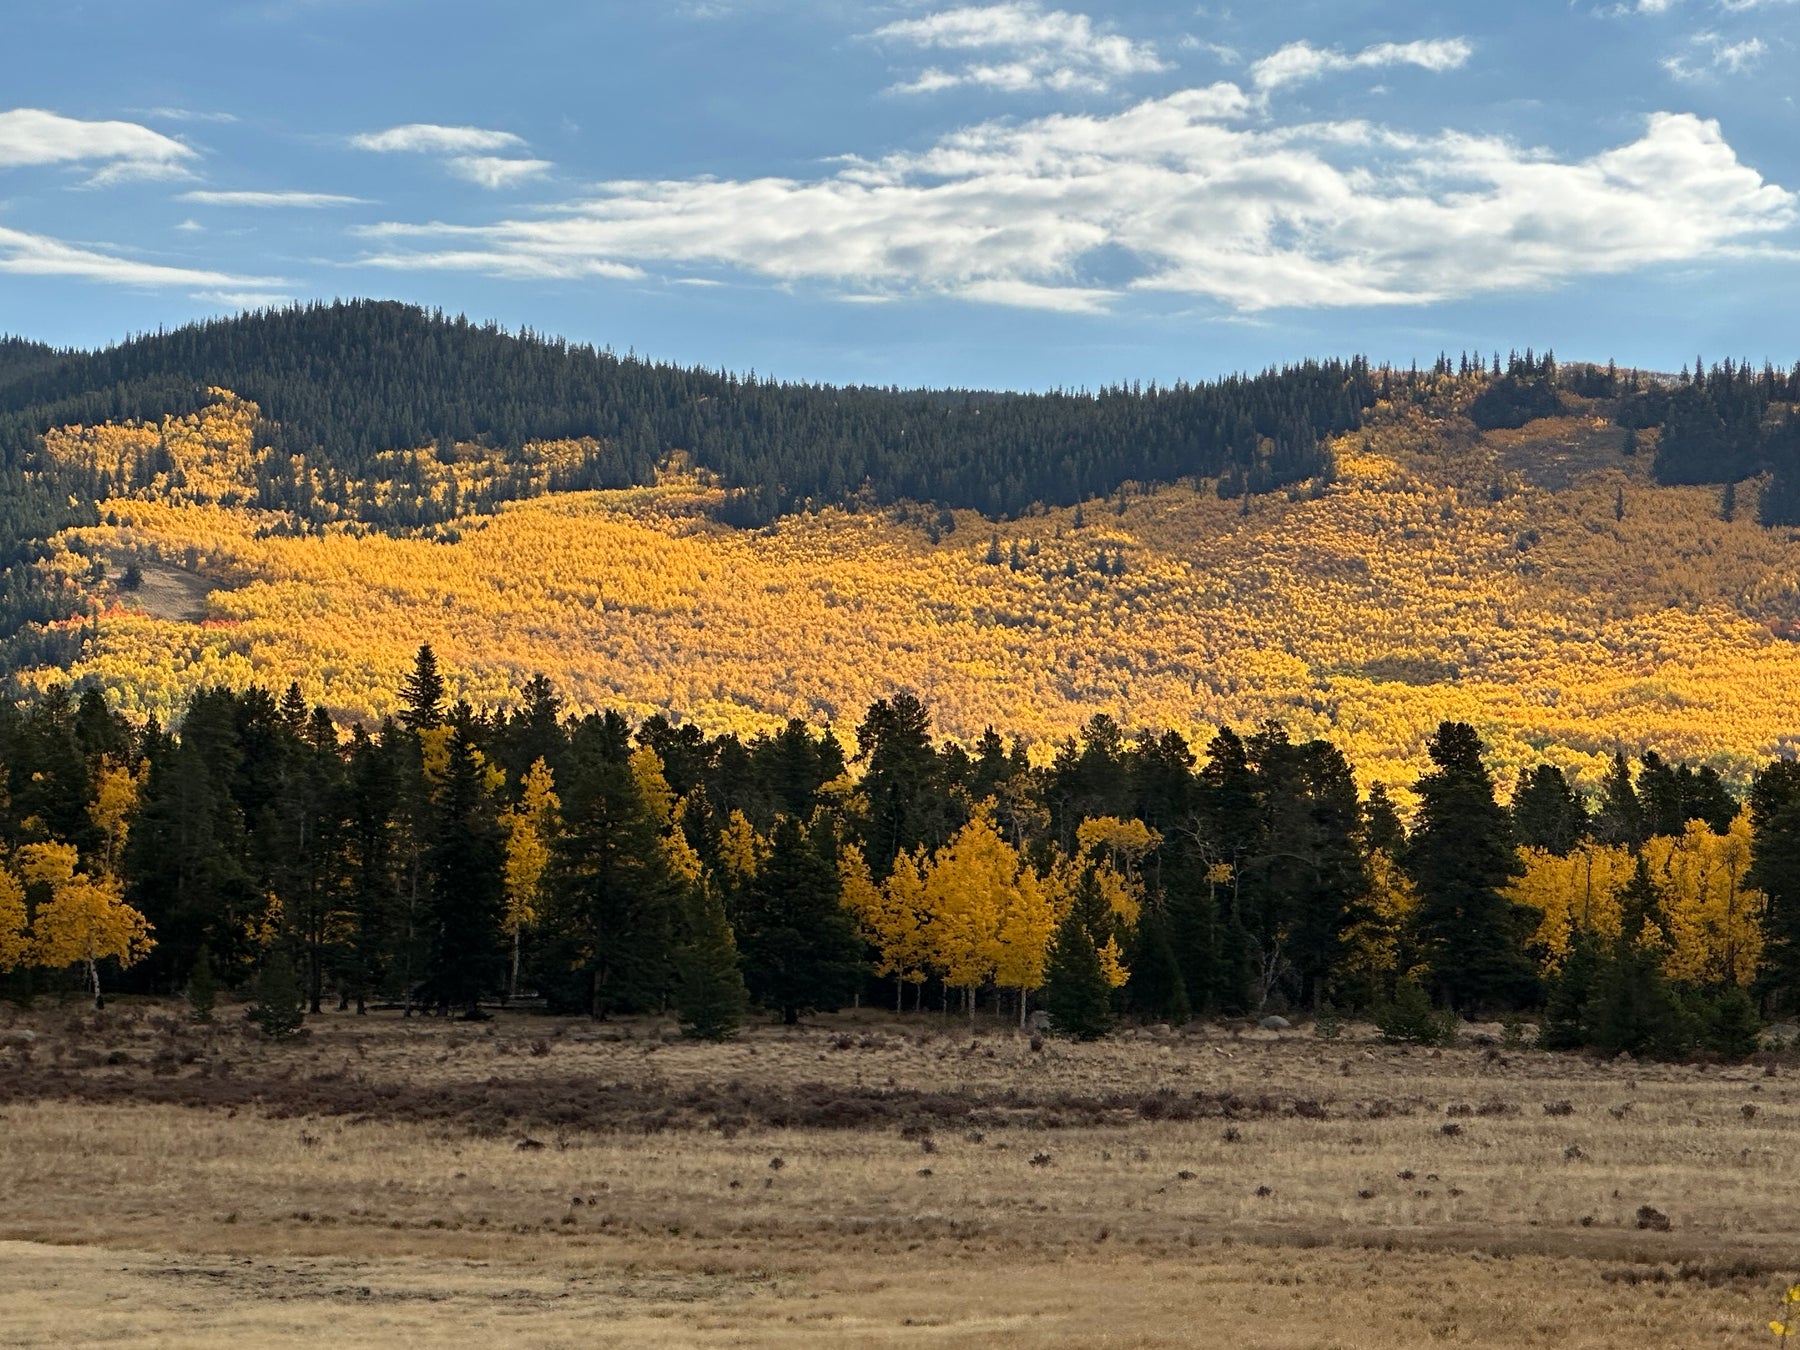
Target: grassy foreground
(872,1180)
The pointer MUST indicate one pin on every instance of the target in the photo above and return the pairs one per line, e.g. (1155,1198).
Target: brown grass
(394,1182)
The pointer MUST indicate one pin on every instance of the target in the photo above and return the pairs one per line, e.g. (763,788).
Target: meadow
(872,1179)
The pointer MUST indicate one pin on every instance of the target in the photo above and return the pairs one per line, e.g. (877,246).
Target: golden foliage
(86,918)
(528,825)
(1432,580)
(1712,922)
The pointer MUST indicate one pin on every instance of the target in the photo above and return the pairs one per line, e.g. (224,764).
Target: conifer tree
(422,695)
(279,1009)
(466,861)
(1620,819)
(202,988)
(1460,859)
(709,991)
(799,945)
(1077,993)
(1547,813)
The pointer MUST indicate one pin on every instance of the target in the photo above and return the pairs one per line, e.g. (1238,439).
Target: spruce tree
(1547,813)
(279,1010)
(801,951)
(466,861)
(1566,1024)
(709,991)
(1076,993)
(1461,859)
(422,694)
(1775,871)
(202,989)
(1620,819)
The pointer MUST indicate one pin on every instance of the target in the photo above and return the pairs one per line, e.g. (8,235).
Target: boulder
(1274,1023)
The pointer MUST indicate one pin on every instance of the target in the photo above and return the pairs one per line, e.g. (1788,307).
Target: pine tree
(1077,994)
(800,949)
(1547,813)
(202,989)
(709,991)
(279,1008)
(422,694)
(1620,819)
(1566,1018)
(1461,859)
(466,861)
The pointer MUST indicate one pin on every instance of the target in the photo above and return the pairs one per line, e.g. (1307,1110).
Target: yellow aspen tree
(900,924)
(1714,923)
(1372,944)
(972,884)
(652,786)
(1121,844)
(85,920)
(15,942)
(1579,892)
(1027,926)
(1112,963)
(528,825)
(741,848)
(115,798)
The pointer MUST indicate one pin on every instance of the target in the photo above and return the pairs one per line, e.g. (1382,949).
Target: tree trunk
(94,979)
(899,994)
(512,986)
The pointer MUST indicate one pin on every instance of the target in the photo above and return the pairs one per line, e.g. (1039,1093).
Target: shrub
(1409,1019)
(279,1010)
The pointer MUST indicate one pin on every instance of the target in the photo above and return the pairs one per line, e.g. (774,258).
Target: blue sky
(1014,194)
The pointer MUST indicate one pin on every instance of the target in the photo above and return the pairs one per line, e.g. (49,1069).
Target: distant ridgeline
(1721,425)
(342,383)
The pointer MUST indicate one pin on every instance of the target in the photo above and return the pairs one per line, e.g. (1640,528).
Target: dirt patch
(166,592)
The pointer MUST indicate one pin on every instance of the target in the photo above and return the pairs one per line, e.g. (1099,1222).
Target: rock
(19,1037)
(1273,1023)
(1038,1021)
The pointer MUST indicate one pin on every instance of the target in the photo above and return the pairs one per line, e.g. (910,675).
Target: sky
(1017,194)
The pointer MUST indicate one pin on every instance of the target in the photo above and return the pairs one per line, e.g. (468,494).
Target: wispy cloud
(1299,62)
(427,138)
(1174,195)
(124,150)
(303,200)
(1715,54)
(1023,46)
(467,152)
(187,115)
(39,255)
(491,171)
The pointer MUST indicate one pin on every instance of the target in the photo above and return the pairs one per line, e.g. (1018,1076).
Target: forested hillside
(340,384)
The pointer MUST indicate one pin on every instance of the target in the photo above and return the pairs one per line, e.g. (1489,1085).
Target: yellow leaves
(1123,843)
(115,798)
(1112,964)
(647,773)
(434,751)
(1544,619)
(15,942)
(741,848)
(1712,923)
(84,919)
(528,826)
(1714,920)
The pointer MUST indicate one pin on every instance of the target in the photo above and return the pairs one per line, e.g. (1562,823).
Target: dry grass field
(872,1180)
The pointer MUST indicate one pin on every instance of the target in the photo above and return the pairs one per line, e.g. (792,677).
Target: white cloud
(1173,195)
(1299,62)
(125,150)
(271,199)
(466,151)
(429,139)
(491,171)
(187,115)
(1716,55)
(39,255)
(245,299)
(1035,49)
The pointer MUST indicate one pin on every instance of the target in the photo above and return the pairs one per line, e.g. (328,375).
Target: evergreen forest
(451,858)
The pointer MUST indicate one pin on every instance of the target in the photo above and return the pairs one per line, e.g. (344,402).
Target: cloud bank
(1175,196)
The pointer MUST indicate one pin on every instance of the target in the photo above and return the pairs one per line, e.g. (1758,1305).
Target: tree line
(451,856)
